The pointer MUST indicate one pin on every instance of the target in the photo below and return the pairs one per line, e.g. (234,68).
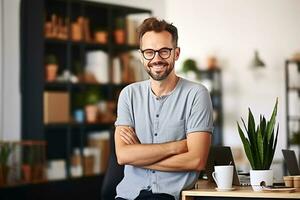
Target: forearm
(129,150)
(144,154)
(181,162)
(192,160)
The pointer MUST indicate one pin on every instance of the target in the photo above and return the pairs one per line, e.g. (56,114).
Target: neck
(164,87)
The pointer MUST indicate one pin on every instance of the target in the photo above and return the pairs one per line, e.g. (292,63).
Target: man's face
(157,67)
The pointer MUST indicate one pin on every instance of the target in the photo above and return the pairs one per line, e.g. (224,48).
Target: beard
(164,72)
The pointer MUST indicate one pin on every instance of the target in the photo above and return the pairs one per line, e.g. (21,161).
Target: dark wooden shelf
(71,188)
(125,47)
(294,118)
(76,125)
(297,89)
(61,138)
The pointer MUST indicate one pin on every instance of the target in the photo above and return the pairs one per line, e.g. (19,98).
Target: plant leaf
(246,146)
(260,148)
(271,123)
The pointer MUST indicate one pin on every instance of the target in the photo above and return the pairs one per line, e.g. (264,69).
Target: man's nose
(156,57)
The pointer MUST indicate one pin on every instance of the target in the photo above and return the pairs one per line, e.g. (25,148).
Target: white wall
(1,68)
(10,88)
(232,30)
(10,110)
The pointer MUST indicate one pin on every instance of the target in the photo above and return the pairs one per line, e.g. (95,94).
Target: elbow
(198,164)
(120,159)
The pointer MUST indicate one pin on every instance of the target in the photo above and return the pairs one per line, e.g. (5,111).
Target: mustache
(157,63)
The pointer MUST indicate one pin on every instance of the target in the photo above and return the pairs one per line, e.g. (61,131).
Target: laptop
(291,162)
(222,155)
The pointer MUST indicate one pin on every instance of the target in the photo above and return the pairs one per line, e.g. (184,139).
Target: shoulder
(193,87)
(137,87)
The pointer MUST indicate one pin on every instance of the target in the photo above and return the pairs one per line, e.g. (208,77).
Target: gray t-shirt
(186,109)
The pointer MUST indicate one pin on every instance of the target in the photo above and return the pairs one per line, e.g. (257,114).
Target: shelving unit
(62,138)
(214,77)
(292,94)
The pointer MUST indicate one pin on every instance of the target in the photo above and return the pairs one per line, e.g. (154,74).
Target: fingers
(128,135)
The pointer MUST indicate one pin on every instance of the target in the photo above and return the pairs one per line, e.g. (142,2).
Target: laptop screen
(220,155)
(291,161)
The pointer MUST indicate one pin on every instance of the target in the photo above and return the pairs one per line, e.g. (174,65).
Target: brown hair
(153,24)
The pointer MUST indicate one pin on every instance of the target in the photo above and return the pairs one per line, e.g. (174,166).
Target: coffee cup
(223,176)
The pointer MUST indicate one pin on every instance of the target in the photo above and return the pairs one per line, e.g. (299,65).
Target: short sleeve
(201,115)
(124,109)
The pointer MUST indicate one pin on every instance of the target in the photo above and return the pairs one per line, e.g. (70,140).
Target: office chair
(114,173)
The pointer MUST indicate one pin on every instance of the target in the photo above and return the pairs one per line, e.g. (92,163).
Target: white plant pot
(259,178)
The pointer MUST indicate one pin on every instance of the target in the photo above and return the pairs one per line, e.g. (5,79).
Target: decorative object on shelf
(55,28)
(97,65)
(100,140)
(100,35)
(296,138)
(92,98)
(51,65)
(260,148)
(76,31)
(81,29)
(67,76)
(33,161)
(56,107)
(296,57)
(88,161)
(119,31)
(6,149)
(76,163)
(56,169)
(189,68)
(78,104)
(211,62)
(257,61)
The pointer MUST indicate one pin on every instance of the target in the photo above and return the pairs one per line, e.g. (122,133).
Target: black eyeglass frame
(157,51)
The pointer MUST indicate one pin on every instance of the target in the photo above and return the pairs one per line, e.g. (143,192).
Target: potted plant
(189,68)
(120,31)
(92,98)
(260,148)
(51,65)
(100,35)
(296,138)
(5,152)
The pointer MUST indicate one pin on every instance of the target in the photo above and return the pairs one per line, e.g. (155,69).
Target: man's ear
(177,53)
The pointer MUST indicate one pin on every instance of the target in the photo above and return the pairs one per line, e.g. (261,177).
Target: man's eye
(148,53)
(164,51)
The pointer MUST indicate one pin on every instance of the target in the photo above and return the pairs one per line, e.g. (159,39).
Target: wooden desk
(207,191)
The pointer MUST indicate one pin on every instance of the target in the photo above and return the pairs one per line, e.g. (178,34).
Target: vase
(261,178)
(91,113)
(51,72)
(119,36)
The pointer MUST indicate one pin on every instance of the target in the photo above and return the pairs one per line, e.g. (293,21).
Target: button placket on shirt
(158,103)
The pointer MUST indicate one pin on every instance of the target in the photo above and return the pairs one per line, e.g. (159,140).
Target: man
(164,124)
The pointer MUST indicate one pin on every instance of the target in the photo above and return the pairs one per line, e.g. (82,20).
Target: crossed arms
(185,155)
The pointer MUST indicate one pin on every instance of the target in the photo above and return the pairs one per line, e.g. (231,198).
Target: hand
(128,136)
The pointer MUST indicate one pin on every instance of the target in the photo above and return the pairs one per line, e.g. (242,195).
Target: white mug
(223,176)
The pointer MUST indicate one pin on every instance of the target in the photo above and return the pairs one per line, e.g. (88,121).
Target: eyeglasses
(149,54)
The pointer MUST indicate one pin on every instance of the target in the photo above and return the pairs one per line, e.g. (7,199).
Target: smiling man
(164,124)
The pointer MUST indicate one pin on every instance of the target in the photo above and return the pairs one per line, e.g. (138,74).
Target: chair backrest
(114,173)
(291,161)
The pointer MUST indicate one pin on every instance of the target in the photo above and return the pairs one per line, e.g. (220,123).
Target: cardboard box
(56,107)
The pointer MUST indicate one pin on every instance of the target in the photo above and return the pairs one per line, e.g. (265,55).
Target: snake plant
(261,142)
